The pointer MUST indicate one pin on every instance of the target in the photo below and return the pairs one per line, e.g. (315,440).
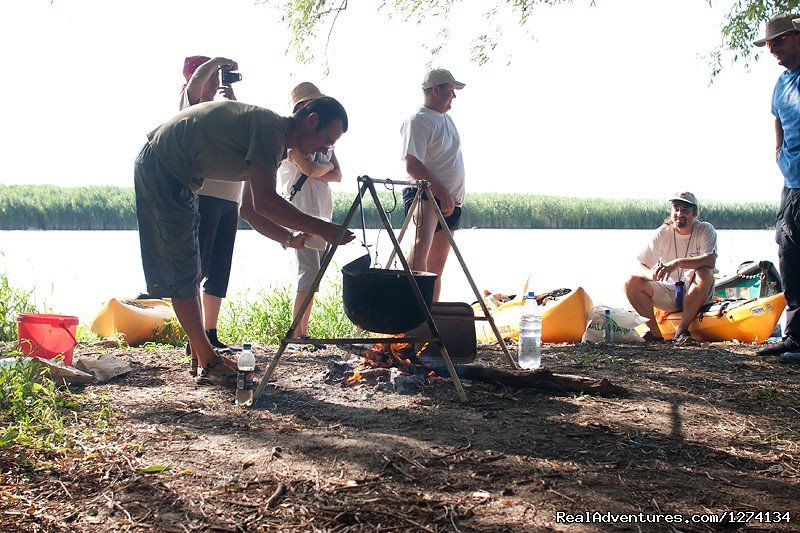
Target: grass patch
(13,302)
(328,319)
(86,335)
(171,333)
(39,421)
(768,393)
(264,317)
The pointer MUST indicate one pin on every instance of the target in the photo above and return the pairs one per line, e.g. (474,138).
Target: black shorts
(218,221)
(453,220)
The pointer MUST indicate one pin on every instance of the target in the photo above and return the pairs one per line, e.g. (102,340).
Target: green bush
(39,420)
(265,317)
(30,405)
(12,303)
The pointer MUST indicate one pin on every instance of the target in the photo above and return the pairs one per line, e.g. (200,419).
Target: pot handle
(357,266)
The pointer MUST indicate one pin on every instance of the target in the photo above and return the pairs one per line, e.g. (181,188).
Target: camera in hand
(227,77)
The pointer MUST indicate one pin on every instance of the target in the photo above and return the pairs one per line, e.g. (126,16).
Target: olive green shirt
(218,141)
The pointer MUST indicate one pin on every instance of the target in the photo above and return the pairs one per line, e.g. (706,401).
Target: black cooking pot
(382,300)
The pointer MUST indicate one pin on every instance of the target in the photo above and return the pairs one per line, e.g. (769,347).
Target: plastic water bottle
(530,334)
(245,364)
(679,294)
(608,324)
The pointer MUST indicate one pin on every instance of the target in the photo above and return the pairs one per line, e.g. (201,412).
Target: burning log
(393,363)
(541,379)
(379,358)
(399,355)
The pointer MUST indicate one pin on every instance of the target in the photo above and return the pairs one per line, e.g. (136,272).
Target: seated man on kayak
(676,269)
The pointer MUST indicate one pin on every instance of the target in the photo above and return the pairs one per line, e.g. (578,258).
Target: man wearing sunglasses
(782,37)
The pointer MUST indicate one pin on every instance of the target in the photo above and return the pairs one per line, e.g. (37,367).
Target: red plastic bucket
(47,336)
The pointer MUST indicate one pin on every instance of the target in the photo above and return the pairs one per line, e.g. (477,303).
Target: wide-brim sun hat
(304,92)
(779,25)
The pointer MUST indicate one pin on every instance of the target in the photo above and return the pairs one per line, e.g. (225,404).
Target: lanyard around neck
(688,244)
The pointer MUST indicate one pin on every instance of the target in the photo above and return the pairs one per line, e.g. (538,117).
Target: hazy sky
(605,101)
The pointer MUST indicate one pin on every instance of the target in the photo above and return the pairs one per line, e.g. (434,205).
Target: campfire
(395,355)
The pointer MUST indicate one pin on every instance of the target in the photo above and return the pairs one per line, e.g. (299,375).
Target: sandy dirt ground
(706,439)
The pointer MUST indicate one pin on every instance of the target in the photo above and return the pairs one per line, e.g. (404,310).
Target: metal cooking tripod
(368,184)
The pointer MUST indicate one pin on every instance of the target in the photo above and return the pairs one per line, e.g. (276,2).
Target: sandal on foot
(217,371)
(684,338)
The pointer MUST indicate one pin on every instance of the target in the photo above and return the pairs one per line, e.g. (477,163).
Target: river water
(75,272)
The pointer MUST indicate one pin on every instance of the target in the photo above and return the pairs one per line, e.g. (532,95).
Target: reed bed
(47,207)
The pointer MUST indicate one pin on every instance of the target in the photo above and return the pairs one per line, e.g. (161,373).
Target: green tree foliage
(743,24)
(307,19)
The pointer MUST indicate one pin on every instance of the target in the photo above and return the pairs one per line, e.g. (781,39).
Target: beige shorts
(664,295)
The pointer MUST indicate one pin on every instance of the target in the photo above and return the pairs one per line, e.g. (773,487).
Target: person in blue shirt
(782,37)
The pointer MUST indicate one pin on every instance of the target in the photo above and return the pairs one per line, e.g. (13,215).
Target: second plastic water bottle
(530,334)
(245,365)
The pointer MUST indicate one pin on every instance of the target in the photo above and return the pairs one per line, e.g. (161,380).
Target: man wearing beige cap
(676,269)
(782,37)
(432,152)
(304,180)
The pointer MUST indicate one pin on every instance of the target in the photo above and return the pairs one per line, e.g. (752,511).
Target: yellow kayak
(137,320)
(564,318)
(742,320)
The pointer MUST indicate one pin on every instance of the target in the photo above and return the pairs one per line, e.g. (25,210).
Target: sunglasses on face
(780,38)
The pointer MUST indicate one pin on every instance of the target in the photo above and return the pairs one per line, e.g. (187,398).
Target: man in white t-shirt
(683,250)
(432,152)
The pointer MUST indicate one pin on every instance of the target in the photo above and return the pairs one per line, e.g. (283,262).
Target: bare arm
(644,271)
(201,76)
(334,175)
(700,261)
(778,137)
(310,168)
(265,226)
(269,204)
(662,272)
(417,170)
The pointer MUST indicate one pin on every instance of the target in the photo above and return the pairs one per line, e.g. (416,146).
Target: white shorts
(308,263)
